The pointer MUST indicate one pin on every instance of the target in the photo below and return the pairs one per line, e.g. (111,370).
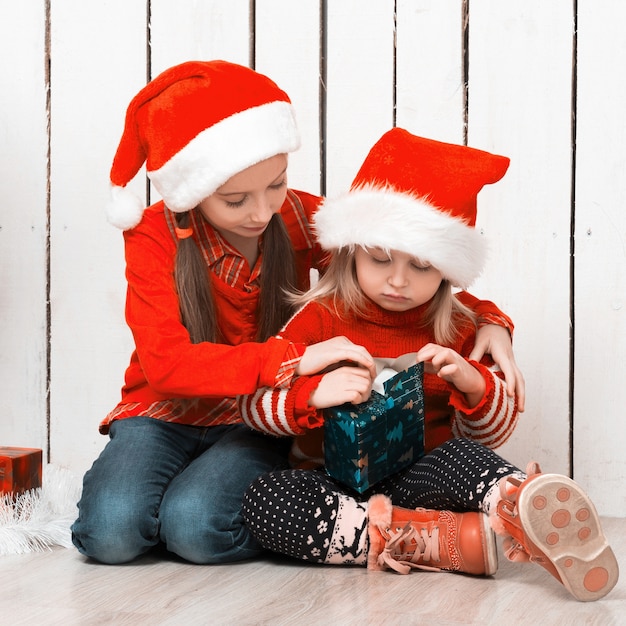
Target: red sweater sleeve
(486,312)
(165,358)
(287,411)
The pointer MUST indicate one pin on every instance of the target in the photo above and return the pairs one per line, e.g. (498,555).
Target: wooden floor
(60,587)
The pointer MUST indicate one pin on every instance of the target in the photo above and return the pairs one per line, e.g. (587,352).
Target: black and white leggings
(310,516)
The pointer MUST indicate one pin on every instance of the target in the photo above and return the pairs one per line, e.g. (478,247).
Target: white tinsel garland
(41,518)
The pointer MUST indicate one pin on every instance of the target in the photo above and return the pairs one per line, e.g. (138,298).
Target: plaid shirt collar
(220,256)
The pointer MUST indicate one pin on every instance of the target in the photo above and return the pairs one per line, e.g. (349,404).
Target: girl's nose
(398,277)
(262,211)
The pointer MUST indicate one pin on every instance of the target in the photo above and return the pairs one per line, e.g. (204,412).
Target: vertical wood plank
(600,256)
(93,80)
(287,49)
(189,30)
(520,72)
(429,74)
(360,84)
(23,225)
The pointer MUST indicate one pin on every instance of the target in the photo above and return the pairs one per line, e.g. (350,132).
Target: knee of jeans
(207,537)
(114,534)
(213,546)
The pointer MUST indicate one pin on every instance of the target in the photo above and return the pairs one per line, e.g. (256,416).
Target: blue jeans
(182,486)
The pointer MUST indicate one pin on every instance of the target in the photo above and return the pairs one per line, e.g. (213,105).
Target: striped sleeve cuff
(266,410)
(493,421)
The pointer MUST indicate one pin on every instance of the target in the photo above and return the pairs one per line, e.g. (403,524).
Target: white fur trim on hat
(223,150)
(375,217)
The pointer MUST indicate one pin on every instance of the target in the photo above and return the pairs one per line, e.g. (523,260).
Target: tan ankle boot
(548,519)
(401,539)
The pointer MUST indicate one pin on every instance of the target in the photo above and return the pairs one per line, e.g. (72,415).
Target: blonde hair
(339,290)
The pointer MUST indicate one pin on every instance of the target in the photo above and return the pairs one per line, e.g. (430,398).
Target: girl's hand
(496,341)
(319,356)
(453,368)
(344,384)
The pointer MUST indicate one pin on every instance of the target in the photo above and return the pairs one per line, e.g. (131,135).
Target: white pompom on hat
(195,126)
(418,196)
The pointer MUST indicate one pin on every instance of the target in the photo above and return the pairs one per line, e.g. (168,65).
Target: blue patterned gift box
(364,443)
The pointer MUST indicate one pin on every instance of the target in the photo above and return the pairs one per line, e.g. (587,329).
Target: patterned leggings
(308,515)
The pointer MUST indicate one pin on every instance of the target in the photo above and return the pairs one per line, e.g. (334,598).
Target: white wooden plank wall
(600,234)
(23,226)
(353,68)
(519,104)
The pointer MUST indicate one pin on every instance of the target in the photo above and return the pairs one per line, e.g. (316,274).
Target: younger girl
(400,239)
(207,268)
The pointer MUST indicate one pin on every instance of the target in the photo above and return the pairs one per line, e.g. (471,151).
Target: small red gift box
(20,469)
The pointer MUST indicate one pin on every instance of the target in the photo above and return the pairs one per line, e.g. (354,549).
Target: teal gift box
(366,442)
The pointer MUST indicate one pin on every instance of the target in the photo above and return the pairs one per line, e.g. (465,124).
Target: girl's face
(396,281)
(242,207)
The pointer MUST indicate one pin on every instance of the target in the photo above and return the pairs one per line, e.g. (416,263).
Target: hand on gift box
(319,356)
(455,369)
(344,384)
(365,442)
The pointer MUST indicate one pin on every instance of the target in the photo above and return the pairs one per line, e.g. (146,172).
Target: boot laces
(406,546)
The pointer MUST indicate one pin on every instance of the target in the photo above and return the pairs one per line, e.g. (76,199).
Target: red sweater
(385,334)
(165,366)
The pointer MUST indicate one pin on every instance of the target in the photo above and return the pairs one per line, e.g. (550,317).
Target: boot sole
(489,546)
(562,523)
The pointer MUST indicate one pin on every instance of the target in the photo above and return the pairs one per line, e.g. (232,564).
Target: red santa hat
(195,126)
(418,196)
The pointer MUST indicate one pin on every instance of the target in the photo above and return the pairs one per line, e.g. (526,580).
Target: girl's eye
(421,268)
(380,260)
(279,185)
(235,205)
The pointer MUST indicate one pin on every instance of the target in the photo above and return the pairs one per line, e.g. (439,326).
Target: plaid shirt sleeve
(287,368)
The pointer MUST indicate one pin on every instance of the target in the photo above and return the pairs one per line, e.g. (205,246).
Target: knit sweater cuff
(306,416)
(458,401)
